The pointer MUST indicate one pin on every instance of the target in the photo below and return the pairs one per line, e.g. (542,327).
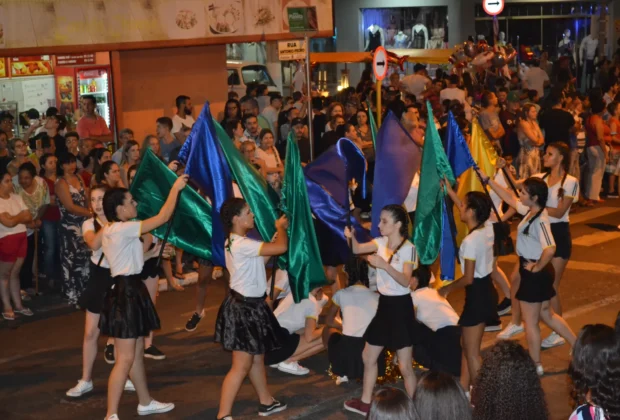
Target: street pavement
(40,357)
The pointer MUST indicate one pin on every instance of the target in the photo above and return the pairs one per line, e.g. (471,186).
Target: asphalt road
(40,357)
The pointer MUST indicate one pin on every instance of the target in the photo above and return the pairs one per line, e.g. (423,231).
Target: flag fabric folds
(305,269)
(206,165)
(397,159)
(373,126)
(428,219)
(191,226)
(456,148)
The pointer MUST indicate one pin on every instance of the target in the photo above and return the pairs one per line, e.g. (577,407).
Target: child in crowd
(392,403)
(440,397)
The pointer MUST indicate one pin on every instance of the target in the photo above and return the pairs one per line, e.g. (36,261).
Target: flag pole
(168,229)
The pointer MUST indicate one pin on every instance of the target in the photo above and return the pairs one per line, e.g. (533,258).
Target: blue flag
(397,160)
(447,252)
(207,166)
(457,150)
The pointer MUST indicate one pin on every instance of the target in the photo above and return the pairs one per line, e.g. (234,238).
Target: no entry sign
(380,63)
(493,7)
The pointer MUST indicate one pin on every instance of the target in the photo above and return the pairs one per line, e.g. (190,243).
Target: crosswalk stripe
(596,238)
(577,265)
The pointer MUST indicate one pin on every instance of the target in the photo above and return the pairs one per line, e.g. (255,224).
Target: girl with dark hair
(234,129)
(267,152)
(151,142)
(595,372)
(439,397)
(343,337)
(128,314)
(477,261)
(507,386)
(92,298)
(109,174)
(394,324)
(97,158)
(73,213)
(530,140)
(245,325)
(598,134)
(232,111)
(131,156)
(535,248)
(131,173)
(50,223)
(392,404)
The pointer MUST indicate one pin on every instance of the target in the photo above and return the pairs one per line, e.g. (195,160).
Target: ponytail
(526,231)
(561,189)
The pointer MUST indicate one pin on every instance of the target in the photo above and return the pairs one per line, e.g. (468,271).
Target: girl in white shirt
(563,192)
(536,248)
(344,340)
(245,325)
(394,324)
(128,314)
(476,257)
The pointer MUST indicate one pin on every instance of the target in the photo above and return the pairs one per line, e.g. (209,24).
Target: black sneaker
(154,353)
(108,354)
(504,307)
(193,322)
(275,407)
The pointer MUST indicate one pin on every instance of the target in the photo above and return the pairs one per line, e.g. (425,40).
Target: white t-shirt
(433,310)
(456,94)
(282,284)
(298,81)
(571,190)
(122,248)
(178,123)
(292,316)
(89,226)
(531,246)
(411,200)
(246,266)
(478,247)
(386,285)
(271,115)
(13,206)
(358,305)
(535,79)
(497,201)
(118,156)
(415,84)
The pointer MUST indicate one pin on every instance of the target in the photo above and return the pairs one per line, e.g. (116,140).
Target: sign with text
(493,7)
(75,59)
(291,50)
(302,19)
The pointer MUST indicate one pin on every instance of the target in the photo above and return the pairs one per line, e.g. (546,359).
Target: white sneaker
(539,370)
(274,366)
(154,407)
(553,340)
(341,380)
(510,330)
(293,368)
(80,389)
(129,386)
(112,417)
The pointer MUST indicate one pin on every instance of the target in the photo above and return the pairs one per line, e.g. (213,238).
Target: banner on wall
(31,66)
(130,23)
(3,72)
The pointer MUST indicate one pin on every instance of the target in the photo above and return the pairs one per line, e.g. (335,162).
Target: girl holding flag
(536,248)
(394,324)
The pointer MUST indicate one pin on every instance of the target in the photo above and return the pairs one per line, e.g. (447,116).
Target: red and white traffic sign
(380,63)
(493,7)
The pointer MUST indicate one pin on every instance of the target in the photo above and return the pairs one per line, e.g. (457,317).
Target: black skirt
(247,324)
(289,342)
(535,287)
(563,240)
(440,350)
(150,269)
(94,294)
(480,303)
(128,311)
(394,325)
(345,356)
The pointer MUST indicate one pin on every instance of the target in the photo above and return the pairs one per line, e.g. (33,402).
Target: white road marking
(596,238)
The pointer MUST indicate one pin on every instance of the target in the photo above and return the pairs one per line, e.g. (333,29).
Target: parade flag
(261,198)
(373,126)
(191,226)
(456,148)
(305,269)
(485,156)
(428,218)
(397,159)
(206,165)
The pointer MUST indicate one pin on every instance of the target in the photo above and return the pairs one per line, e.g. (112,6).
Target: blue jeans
(51,250)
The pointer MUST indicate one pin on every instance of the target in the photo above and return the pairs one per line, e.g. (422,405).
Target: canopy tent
(413,56)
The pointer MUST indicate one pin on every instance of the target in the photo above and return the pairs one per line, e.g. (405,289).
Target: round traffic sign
(493,7)
(380,63)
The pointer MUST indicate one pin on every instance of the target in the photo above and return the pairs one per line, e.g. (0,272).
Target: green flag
(373,126)
(262,199)
(191,226)
(428,216)
(305,269)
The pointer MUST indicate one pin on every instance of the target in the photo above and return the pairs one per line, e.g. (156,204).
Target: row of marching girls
(118,302)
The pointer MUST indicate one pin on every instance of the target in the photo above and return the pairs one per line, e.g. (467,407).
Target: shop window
(233,78)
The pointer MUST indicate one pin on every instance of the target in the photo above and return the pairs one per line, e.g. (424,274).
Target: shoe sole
(130,389)
(274,411)
(504,311)
(160,411)
(79,395)
(493,329)
(191,330)
(354,410)
(506,337)
(108,361)
(556,344)
(293,372)
(148,356)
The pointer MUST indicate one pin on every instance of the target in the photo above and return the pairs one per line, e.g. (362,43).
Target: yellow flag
(485,156)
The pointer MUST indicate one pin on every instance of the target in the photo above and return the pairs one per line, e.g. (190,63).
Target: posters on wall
(35,23)
(3,71)
(31,66)
(39,93)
